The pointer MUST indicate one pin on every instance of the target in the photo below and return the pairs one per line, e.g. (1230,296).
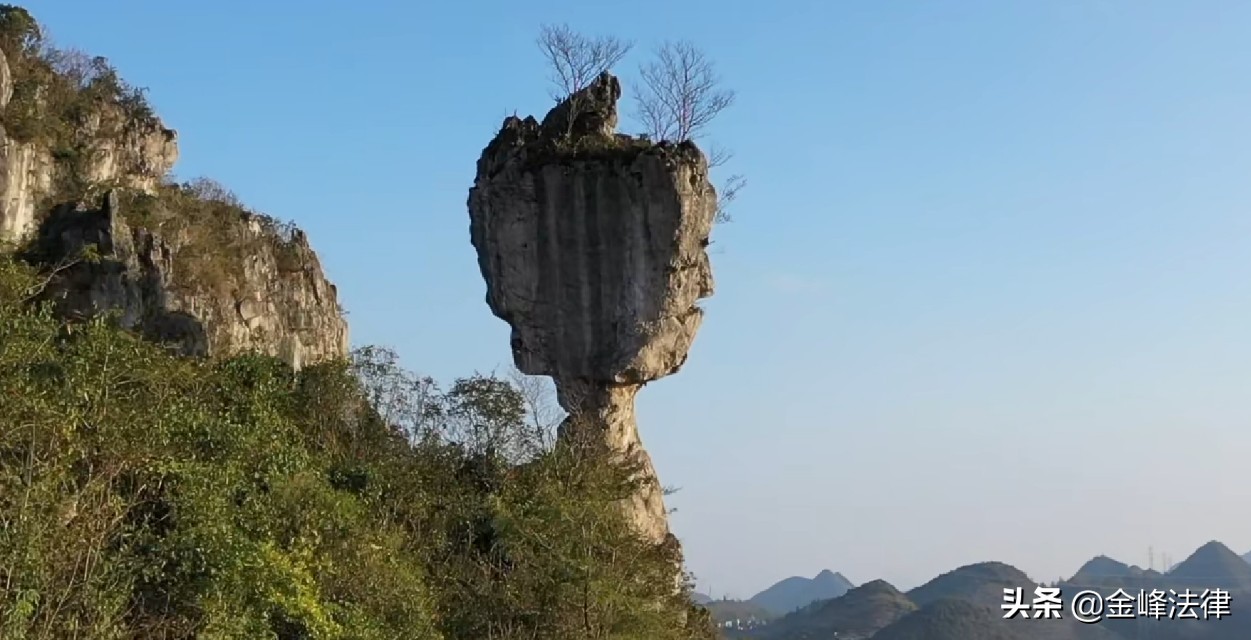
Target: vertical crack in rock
(592,247)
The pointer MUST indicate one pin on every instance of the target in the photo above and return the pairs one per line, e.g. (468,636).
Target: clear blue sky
(987,295)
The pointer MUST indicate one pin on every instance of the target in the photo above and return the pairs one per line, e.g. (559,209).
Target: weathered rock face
(273,299)
(25,172)
(137,156)
(592,245)
(605,414)
(205,276)
(130,153)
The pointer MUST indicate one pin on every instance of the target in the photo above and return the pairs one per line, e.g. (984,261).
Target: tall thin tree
(681,93)
(680,96)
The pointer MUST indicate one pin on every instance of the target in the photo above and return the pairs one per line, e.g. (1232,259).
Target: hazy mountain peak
(1213,565)
(833,577)
(796,592)
(877,586)
(1102,566)
(983,581)
(858,613)
(1214,546)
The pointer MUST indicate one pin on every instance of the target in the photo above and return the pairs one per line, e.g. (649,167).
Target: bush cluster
(147,496)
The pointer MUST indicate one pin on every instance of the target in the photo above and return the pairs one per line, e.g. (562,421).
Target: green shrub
(210,228)
(146,496)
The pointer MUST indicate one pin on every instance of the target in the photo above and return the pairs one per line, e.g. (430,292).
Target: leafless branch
(74,64)
(718,156)
(576,59)
(89,253)
(681,93)
(403,399)
(542,409)
(726,195)
(213,191)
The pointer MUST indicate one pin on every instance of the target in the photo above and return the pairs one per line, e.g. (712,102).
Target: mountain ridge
(1213,565)
(796,592)
(965,603)
(862,611)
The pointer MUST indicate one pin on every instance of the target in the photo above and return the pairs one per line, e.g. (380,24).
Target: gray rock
(592,245)
(590,111)
(276,302)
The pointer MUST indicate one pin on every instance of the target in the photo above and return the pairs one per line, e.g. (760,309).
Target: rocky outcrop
(267,294)
(187,267)
(592,245)
(25,173)
(136,154)
(124,151)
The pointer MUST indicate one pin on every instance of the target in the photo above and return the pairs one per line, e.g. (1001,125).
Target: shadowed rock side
(592,245)
(267,296)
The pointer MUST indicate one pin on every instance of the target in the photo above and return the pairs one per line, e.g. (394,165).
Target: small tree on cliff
(681,93)
(680,96)
(575,60)
(19,32)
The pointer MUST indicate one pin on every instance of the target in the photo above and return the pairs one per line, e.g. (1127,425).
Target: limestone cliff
(106,146)
(249,286)
(592,245)
(83,170)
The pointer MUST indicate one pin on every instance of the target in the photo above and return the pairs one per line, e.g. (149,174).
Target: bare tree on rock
(680,96)
(681,93)
(718,156)
(575,60)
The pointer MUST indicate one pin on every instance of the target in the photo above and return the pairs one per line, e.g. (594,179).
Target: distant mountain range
(859,612)
(796,592)
(965,604)
(1101,567)
(949,620)
(784,597)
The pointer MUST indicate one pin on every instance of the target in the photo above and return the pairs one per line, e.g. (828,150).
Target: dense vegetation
(213,232)
(144,495)
(982,582)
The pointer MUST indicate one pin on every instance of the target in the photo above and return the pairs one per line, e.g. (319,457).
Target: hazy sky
(987,295)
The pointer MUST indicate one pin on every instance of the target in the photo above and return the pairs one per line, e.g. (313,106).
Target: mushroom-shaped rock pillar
(592,245)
